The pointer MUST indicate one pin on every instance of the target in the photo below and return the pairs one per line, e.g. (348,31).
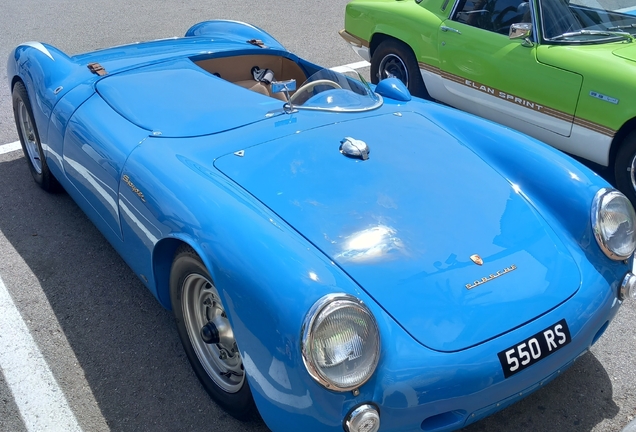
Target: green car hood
(628,52)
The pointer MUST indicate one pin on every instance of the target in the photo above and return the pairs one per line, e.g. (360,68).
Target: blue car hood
(405,223)
(179,99)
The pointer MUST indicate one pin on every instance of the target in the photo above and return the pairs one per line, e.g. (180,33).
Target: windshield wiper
(628,26)
(594,33)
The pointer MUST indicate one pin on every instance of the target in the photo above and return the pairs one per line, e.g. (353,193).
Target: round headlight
(340,342)
(613,220)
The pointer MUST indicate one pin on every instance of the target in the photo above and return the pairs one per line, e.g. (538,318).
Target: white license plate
(535,348)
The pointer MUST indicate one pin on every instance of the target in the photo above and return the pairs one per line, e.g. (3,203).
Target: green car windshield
(587,21)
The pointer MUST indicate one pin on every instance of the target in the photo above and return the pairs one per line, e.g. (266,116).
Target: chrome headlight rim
(307,338)
(596,223)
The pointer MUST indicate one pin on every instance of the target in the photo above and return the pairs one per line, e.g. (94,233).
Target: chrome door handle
(445,29)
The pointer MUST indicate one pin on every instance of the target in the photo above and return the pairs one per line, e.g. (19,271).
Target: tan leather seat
(238,70)
(255,86)
(261,88)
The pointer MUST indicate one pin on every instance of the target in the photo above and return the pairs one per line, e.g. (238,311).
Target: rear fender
(233,30)
(47,74)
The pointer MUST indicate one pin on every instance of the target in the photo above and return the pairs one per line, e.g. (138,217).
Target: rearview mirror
(286,87)
(520,31)
(283,86)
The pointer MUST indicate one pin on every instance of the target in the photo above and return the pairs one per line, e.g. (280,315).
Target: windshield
(587,21)
(328,90)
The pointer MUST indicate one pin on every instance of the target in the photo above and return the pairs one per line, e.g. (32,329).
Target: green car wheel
(393,58)
(625,167)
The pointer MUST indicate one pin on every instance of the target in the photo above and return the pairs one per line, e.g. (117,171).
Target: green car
(562,72)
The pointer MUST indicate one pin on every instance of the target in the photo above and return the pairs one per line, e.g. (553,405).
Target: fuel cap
(354,148)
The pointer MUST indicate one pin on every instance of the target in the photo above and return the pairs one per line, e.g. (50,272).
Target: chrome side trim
(534,17)
(453,11)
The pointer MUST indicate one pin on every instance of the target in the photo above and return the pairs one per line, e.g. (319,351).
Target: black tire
(30,140)
(393,57)
(191,287)
(625,167)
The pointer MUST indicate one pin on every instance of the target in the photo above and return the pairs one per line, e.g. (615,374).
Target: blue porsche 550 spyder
(337,254)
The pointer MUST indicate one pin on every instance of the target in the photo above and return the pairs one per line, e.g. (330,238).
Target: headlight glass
(613,220)
(341,342)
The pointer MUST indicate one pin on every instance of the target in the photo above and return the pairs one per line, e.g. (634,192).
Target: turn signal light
(628,287)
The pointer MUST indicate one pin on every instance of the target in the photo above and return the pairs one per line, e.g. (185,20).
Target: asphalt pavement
(113,353)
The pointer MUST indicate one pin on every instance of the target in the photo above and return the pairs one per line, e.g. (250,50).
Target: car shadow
(576,401)
(124,341)
(129,350)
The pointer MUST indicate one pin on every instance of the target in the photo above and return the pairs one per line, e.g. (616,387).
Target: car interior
(240,71)
(493,15)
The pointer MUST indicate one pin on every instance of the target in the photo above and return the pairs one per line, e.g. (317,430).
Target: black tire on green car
(195,303)
(625,167)
(30,140)
(395,58)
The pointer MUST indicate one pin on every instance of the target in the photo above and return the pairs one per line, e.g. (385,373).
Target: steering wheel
(498,21)
(306,89)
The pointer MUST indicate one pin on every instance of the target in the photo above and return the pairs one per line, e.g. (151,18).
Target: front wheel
(625,167)
(206,334)
(30,140)
(393,58)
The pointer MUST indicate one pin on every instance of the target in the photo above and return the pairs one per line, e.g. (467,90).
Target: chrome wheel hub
(393,66)
(201,304)
(28,135)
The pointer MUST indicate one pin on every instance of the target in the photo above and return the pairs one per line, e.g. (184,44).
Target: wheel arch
(16,79)
(628,127)
(47,73)
(162,258)
(377,39)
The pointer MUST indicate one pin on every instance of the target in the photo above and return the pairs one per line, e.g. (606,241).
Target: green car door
(485,72)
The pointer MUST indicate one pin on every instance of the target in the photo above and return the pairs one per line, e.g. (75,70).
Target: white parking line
(356,65)
(631,427)
(7,148)
(40,400)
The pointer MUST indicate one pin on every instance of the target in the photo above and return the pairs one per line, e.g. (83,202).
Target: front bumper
(360,46)
(415,388)
(456,389)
